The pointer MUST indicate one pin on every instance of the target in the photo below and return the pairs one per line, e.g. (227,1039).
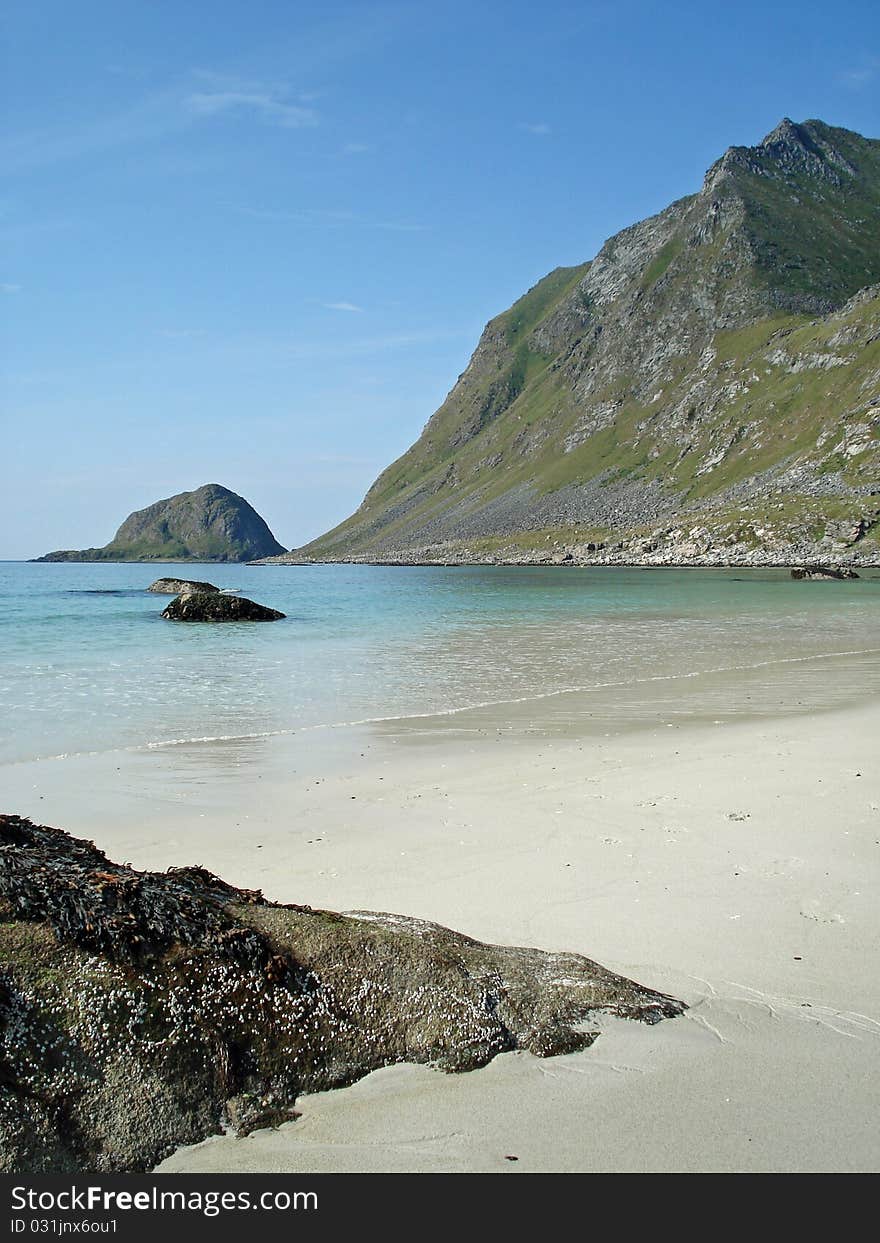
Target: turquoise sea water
(88,665)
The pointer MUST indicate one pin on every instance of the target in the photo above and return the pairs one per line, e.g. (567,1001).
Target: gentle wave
(167,743)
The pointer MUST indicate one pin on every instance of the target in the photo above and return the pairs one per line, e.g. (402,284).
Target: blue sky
(255,243)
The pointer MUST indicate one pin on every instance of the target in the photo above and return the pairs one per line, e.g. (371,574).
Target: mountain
(209,524)
(707,389)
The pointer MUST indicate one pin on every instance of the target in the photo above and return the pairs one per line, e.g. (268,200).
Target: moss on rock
(140,1011)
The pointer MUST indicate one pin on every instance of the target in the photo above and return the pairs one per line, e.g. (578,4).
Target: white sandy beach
(733,865)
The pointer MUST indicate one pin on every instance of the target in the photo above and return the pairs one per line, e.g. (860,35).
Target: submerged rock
(140,1011)
(209,606)
(819,572)
(174,586)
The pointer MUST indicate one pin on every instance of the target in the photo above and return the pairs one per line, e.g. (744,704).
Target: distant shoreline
(791,564)
(854,563)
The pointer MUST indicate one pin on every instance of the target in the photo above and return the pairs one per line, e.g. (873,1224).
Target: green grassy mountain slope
(209,524)
(707,387)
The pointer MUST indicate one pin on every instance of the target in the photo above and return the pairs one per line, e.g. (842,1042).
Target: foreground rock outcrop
(209,524)
(210,606)
(140,1011)
(175,586)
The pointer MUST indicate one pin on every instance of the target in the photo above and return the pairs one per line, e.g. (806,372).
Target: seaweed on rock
(140,1011)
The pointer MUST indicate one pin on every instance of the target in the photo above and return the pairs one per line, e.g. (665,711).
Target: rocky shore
(693,552)
(698,539)
(140,1011)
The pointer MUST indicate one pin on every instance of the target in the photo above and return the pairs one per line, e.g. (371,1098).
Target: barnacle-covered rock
(210,606)
(140,1011)
(174,586)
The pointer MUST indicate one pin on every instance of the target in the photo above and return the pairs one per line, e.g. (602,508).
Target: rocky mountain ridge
(705,391)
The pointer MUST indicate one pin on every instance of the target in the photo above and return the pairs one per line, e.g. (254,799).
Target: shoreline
(728,864)
(836,562)
(701,816)
(619,708)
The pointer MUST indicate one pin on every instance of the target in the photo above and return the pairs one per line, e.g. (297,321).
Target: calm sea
(88,665)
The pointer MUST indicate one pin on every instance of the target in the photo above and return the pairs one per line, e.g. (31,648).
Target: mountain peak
(810,147)
(785,132)
(805,149)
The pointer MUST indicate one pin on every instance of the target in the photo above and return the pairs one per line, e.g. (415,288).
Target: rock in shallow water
(174,586)
(140,1011)
(207,606)
(816,573)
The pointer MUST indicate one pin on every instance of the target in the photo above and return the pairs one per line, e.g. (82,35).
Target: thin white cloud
(151,118)
(6,287)
(265,104)
(536,127)
(356,148)
(342,306)
(366,346)
(181,334)
(331,219)
(862,74)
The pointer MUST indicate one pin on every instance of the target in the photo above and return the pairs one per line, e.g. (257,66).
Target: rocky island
(705,391)
(209,524)
(140,1011)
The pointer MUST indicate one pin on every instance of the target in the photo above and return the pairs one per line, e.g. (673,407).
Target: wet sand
(732,863)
